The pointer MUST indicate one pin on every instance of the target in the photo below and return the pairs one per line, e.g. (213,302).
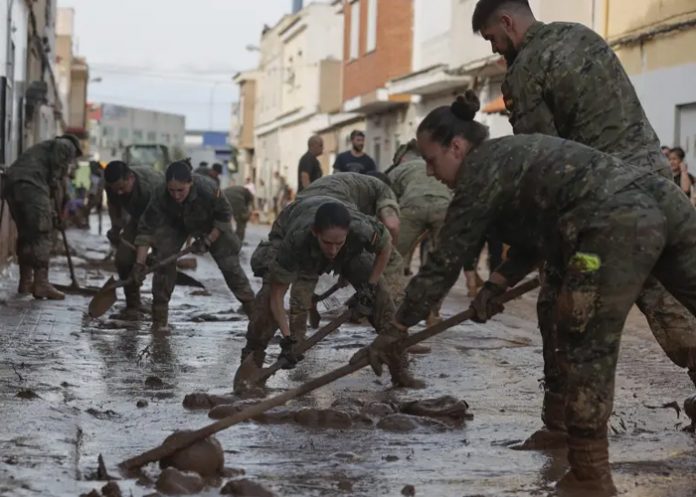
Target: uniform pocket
(578,298)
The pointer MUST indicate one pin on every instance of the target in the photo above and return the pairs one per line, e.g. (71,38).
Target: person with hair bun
(128,193)
(313,236)
(188,205)
(602,225)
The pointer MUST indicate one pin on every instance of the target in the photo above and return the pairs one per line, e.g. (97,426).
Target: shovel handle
(151,269)
(171,447)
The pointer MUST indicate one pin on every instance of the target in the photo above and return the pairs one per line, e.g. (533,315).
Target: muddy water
(90,376)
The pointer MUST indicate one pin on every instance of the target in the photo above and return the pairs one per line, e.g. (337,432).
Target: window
(371,25)
(123,134)
(106,131)
(151,136)
(137,136)
(354,29)
(165,137)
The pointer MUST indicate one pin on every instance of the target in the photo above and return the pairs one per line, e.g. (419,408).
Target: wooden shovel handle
(185,440)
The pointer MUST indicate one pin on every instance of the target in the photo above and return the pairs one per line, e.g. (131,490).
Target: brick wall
(392,56)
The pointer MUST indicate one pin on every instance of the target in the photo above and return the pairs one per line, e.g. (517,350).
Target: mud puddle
(114,388)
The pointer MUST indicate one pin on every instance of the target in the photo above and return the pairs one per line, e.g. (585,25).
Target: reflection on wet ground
(73,388)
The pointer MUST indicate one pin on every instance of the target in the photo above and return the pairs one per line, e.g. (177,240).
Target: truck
(147,154)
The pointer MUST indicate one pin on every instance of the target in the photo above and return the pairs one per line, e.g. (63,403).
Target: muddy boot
(160,317)
(259,355)
(553,435)
(400,376)
(42,288)
(26,279)
(133,305)
(589,472)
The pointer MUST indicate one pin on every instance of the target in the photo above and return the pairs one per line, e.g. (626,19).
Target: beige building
(295,85)
(656,41)
(73,77)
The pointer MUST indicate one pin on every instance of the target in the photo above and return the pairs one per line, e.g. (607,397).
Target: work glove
(138,273)
(287,352)
(363,302)
(114,236)
(484,304)
(201,245)
(385,349)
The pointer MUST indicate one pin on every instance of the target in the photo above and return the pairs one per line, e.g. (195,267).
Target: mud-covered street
(72,388)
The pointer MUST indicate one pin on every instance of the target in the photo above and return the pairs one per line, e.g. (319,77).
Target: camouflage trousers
(607,256)
(263,325)
(125,255)
(32,211)
(301,292)
(417,221)
(240,221)
(225,252)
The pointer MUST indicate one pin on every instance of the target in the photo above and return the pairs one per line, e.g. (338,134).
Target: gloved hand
(138,273)
(201,245)
(484,304)
(384,349)
(114,235)
(287,352)
(363,302)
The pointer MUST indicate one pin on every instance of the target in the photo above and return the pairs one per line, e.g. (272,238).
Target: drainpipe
(606,19)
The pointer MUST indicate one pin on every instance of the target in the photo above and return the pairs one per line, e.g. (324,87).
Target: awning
(496,106)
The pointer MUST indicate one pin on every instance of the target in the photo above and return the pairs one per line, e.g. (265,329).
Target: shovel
(182,279)
(74,286)
(187,439)
(250,375)
(106,297)
(314,316)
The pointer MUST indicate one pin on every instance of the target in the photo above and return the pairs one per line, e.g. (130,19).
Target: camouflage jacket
(297,250)
(44,165)
(567,82)
(205,208)
(147,181)
(413,186)
(525,189)
(239,198)
(367,193)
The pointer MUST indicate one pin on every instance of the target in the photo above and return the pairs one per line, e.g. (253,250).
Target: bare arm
(304,179)
(278,307)
(381,260)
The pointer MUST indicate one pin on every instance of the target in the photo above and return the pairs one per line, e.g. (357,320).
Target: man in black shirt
(309,169)
(355,160)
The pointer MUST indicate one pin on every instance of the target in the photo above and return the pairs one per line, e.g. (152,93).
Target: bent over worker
(242,202)
(313,236)
(563,79)
(34,183)
(128,190)
(188,205)
(604,226)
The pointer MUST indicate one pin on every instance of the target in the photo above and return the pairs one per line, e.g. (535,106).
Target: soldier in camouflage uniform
(34,182)
(128,193)
(564,80)
(242,202)
(603,226)
(188,205)
(369,196)
(313,236)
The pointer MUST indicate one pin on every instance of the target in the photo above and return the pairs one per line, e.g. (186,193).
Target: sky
(171,55)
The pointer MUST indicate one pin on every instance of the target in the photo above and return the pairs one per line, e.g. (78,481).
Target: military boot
(133,303)
(26,279)
(400,376)
(42,288)
(554,434)
(589,471)
(259,355)
(160,317)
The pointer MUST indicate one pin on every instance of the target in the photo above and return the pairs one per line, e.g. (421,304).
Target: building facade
(656,42)
(113,127)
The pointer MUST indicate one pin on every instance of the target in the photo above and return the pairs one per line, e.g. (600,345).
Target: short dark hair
(202,164)
(116,170)
(331,215)
(217,167)
(486,8)
(180,171)
(678,151)
(356,132)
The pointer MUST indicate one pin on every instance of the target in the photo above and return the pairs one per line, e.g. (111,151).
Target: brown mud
(88,376)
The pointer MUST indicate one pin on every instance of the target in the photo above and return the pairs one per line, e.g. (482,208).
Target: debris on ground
(173,482)
(204,457)
(245,488)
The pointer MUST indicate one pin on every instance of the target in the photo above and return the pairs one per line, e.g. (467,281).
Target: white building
(298,71)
